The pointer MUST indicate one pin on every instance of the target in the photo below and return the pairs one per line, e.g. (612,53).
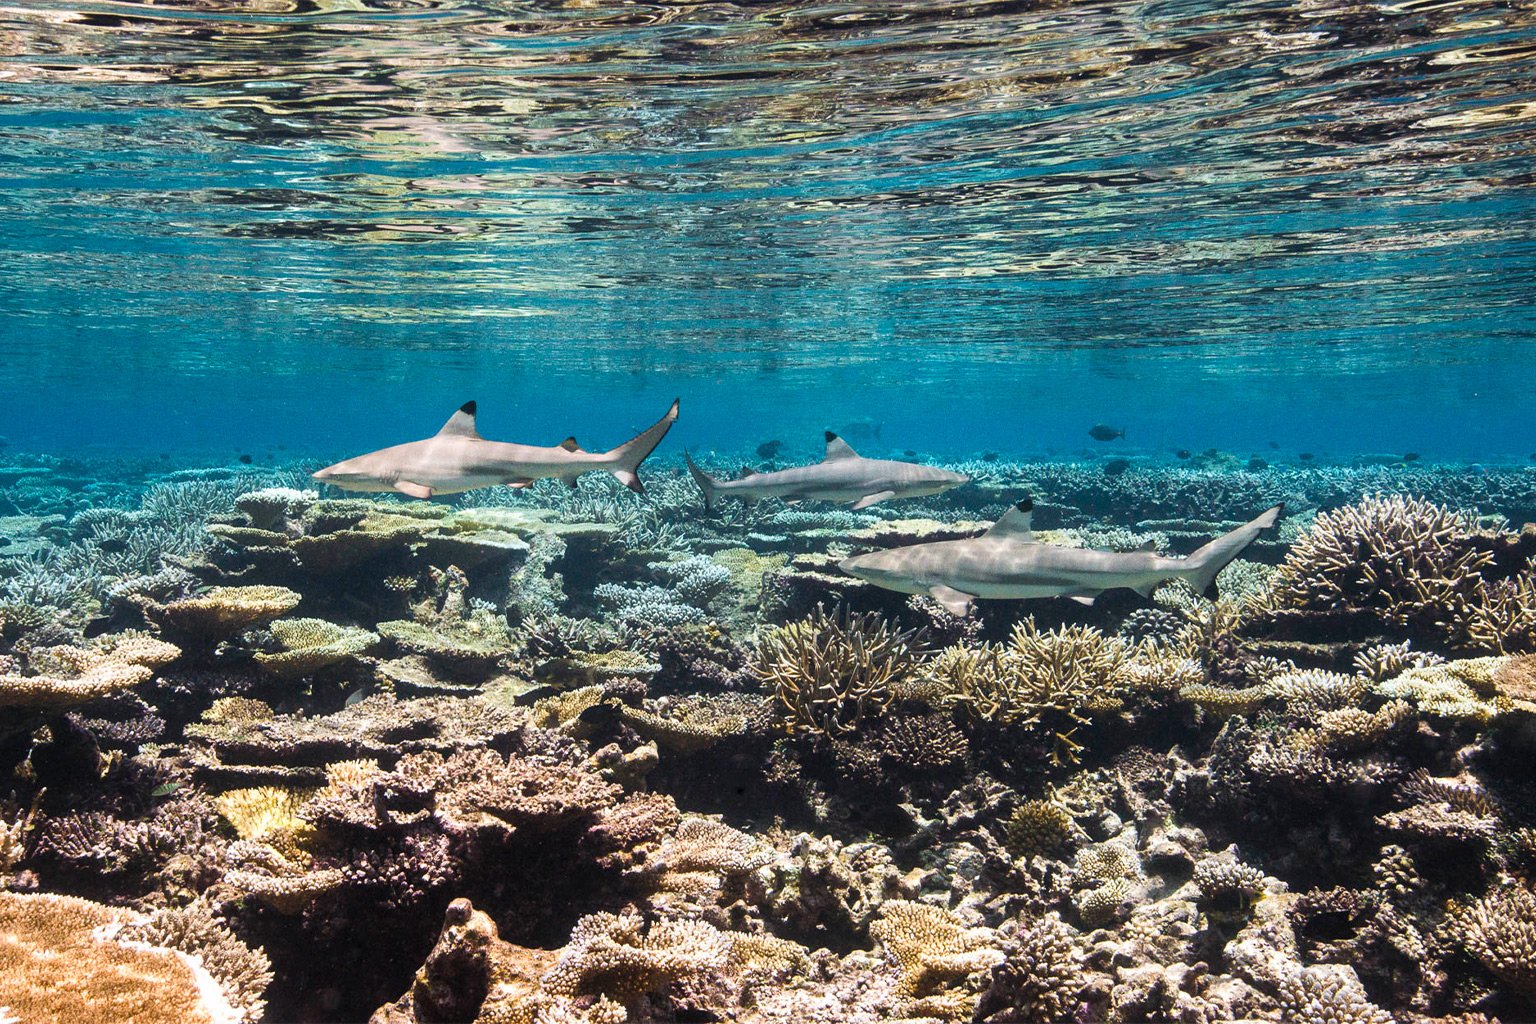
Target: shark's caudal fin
(631,453)
(706,483)
(1208,561)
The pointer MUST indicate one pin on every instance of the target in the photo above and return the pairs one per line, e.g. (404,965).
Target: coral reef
(552,756)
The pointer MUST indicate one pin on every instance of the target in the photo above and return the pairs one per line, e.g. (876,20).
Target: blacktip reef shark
(1007,562)
(457,459)
(842,475)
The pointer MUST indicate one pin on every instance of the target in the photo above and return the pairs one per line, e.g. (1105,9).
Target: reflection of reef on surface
(567,756)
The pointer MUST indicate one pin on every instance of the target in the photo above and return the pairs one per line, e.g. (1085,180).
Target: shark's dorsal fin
(1015,524)
(747,471)
(837,448)
(461,423)
(570,445)
(1150,545)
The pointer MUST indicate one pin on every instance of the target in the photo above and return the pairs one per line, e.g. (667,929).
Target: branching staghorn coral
(1055,679)
(828,672)
(1413,562)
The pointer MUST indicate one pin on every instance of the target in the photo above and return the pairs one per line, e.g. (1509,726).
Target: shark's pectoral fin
(413,490)
(1086,600)
(953,601)
(1145,590)
(870,499)
(519,482)
(570,481)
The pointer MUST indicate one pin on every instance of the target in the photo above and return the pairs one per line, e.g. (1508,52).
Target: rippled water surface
(989,224)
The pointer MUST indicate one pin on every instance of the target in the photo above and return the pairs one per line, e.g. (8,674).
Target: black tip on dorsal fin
(1027,505)
(831,437)
(468,408)
(570,445)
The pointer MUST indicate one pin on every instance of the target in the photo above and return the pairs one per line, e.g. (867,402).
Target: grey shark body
(1007,562)
(842,475)
(457,459)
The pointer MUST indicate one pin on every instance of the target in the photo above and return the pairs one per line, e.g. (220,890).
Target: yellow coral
(1038,826)
(827,672)
(310,645)
(260,812)
(689,725)
(565,708)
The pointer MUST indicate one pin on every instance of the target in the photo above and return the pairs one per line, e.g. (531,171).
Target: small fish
(165,789)
(1182,453)
(245,458)
(992,456)
(355,696)
(1274,444)
(1114,467)
(1305,456)
(768,449)
(908,453)
(1105,432)
(1533,456)
(1255,464)
(1411,457)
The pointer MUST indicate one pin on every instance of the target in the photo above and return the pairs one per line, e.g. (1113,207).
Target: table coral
(224,612)
(935,951)
(59,961)
(67,676)
(310,645)
(616,956)
(478,788)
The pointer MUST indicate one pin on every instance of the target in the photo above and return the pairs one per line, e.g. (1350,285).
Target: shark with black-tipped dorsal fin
(1007,562)
(842,475)
(457,459)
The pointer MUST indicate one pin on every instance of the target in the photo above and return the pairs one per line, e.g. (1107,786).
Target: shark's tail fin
(1210,559)
(706,483)
(631,453)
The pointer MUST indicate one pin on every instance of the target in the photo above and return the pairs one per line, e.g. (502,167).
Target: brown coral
(828,672)
(934,950)
(67,676)
(60,962)
(225,611)
(616,956)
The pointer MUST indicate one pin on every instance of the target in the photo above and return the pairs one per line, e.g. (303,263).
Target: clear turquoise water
(249,226)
